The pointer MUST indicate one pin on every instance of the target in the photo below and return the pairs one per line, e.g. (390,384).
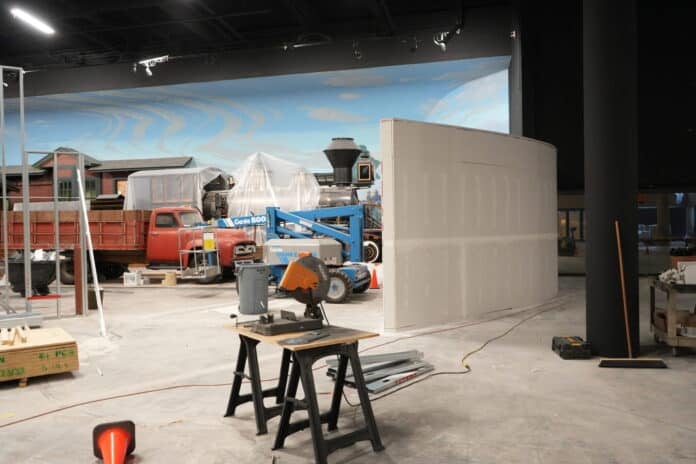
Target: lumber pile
(26,353)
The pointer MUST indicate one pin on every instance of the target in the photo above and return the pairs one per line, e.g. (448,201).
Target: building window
(65,190)
(91,188)
(562,224)
(571,223)
(121,186)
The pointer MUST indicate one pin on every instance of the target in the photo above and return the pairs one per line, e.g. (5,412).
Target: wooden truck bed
(111,230)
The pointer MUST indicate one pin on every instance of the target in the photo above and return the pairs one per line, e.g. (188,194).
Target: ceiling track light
(441,39)
(357,53)
(150,63)
(311,39)
(32,20)
(416,44)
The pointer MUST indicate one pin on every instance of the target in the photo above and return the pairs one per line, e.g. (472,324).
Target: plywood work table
(341,342)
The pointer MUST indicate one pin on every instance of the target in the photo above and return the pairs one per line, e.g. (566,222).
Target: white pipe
(5,201)
(28,291)
(95,279)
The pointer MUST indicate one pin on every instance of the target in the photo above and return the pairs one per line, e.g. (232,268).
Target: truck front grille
(243,250)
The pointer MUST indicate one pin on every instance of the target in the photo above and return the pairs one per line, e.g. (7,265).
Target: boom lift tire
(340,287)
(362,289)
(370,251)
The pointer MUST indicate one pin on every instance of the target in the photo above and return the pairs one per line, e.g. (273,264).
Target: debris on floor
(385,371)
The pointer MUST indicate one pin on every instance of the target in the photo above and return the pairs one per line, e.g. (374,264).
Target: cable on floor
(227,384)
(114,397)
(466,367)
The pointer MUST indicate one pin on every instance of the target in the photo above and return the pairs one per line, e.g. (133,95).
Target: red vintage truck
(168,237)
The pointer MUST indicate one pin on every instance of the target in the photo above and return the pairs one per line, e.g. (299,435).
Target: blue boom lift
(323,233)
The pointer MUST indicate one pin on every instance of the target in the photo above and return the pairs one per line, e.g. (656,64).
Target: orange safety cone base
(126,428)
(374,282)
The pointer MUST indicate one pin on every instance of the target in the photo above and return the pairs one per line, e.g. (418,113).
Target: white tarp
(265,180)
(169,187)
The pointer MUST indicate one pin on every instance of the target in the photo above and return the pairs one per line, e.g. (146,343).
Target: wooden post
(77,270)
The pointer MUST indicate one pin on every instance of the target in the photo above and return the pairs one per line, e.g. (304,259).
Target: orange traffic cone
(374,282)
(113,441)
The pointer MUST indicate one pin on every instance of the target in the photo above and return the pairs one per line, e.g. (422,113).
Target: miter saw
(307,280)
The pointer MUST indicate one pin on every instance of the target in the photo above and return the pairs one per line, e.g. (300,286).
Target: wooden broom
(631,362)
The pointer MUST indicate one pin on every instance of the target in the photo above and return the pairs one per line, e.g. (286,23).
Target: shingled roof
(16,170)
(89,161)
(135,164)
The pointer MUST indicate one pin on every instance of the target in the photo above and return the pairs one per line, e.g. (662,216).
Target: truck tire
(43,290)
(67,273)
(340,287)
(371,251)
(67,276)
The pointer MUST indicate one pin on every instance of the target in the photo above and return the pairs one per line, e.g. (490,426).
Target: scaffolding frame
(80,174)
(28,317)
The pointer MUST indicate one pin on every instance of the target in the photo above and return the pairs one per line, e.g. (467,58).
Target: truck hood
(232,235)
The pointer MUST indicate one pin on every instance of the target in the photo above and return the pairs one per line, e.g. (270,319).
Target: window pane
(91,189)
(562,224)
(121,186)
(189,219)
(584,224)
(165,220)
(574,223)
(65,190)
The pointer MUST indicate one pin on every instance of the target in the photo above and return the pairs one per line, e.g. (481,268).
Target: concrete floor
(520,403)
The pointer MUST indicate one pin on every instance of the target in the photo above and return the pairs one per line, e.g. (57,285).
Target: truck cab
(175,232)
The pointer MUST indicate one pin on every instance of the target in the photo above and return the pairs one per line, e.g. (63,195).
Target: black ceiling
(92,32)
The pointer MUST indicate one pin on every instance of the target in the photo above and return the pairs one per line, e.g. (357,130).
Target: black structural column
(611,170)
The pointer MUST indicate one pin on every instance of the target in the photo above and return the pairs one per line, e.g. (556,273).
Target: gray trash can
(252,281)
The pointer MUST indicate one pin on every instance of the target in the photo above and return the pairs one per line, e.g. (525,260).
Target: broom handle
(623,288)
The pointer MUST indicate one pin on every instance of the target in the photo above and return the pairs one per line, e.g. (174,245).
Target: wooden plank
(337,336)
(41,338)
(5,336)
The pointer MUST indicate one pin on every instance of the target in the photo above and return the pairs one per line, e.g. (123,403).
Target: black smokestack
(342,154)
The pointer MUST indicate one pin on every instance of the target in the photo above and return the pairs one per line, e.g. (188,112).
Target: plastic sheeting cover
(265,180)
(169,187)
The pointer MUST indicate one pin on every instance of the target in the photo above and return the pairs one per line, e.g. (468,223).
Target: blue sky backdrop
(291,116)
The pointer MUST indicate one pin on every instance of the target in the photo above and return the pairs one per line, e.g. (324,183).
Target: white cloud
(481,103)
(483,88)
(349,96)
(429,105)
(355,79)
(407,79)
(324,113)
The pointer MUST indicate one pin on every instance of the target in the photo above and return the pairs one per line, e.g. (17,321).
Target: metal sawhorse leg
(247,351)
(302,370)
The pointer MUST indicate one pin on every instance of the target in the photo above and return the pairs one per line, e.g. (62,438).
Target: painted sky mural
(291,116)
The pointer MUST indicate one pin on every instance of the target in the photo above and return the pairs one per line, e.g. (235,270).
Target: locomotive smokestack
(342,154)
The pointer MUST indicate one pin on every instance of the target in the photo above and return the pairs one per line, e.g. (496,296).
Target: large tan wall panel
(469,222)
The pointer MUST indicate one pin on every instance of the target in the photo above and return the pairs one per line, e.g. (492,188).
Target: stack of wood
(107,202)
(26,353)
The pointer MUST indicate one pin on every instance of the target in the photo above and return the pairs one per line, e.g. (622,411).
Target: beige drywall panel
(469,222)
